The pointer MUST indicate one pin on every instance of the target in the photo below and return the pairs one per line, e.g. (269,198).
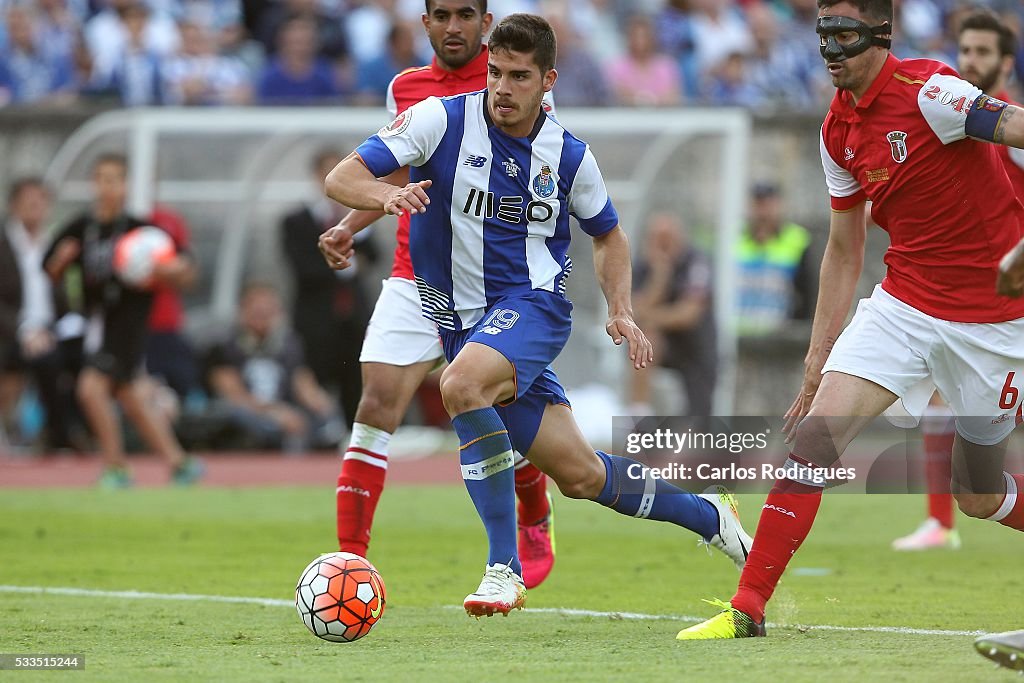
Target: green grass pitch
(429,547)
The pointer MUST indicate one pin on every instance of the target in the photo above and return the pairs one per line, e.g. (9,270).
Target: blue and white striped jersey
(498,220)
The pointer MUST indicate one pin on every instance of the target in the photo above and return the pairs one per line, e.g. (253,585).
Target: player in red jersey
(401,346)
(985,58)
(908,135)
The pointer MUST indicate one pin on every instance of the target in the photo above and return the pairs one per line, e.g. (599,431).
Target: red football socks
(786,519)
(938,451)
(363,469)
(1011,512)
(531,489)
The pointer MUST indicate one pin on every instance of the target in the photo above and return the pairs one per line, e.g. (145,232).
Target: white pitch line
(563,611)
(139,595)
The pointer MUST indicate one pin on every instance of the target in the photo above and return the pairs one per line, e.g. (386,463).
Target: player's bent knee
(581,483)
(379,408)
(977,505)
(461,393)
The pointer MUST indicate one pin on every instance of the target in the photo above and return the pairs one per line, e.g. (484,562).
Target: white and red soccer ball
(340,596)
(138,252)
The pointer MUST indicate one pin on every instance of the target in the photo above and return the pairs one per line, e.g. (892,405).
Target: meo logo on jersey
(898,143)
(509,209)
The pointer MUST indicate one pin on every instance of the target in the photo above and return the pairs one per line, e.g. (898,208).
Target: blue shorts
(530,331)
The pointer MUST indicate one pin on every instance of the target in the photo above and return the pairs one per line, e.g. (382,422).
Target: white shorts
(910,353)
(398,334)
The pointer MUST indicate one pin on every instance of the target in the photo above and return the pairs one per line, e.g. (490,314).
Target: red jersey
(945,199)
(415,85)
(167,313)
(1013,158)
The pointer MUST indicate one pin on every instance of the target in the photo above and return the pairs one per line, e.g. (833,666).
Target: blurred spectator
(729,84)
(676,37)
(719,31)
(332,43)
(777,279)
(58,27)
(672,303)
(107,35)
(644,76)
(260,375)
(137,75)
(296,75)
(29,73)
(329,305)
(234,40)
(169,356)
(116,335)
(198,75)
(368,23)
(780,72)
(581,82)
(32,346)
(374,76)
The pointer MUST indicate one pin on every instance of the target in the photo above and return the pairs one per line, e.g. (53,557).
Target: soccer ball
(340,596)
(138,252)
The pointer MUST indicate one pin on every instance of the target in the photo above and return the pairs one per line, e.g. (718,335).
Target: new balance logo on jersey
(475,161)
(784,511)
(509,209)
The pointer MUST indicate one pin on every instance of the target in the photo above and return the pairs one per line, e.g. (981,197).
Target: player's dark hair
(24,183)
(481,4)
(526,33)
(879,11)
(111,158)
(986,20)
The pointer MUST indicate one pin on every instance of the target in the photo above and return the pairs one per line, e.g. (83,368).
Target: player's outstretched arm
(615,276)
(840,270)
(351,183)
(343,185)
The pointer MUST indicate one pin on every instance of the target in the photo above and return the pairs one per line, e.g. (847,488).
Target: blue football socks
(630,489)
(487,469)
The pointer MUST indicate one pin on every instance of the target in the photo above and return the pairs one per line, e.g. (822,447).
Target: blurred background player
(259,372)
(777,279)
(672,303)
(31,349)
(985,58)
(402,346)
(327,305)
(117,325)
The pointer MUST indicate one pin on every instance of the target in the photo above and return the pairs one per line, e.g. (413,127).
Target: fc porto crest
(898,143)
(544,182)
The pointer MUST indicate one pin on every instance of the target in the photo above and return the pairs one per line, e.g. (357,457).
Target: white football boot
(731,539)
(501,590)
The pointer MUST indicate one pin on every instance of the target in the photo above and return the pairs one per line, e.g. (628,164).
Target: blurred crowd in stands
(760,54)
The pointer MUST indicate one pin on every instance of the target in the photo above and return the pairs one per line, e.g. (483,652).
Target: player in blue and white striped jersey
(494,181)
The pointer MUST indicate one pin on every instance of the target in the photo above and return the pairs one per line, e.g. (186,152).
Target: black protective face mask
(829,27)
